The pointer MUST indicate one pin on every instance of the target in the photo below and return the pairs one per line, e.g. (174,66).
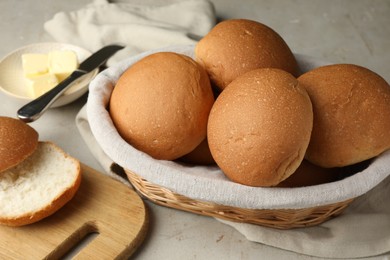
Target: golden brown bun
(234,47)
(17,141)
(351,107)
(309,174)
(201,155)
(259,127)
(160,105)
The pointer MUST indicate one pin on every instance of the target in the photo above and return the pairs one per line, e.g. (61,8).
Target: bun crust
(259,127)
(351,114)
(234,47)
(17,141)
(201,155)
(38,186)
(309,174)
(160,105)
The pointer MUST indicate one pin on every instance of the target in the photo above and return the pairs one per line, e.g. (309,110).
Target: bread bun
(236,46)
(351,107)
(160,105)
(309,174)
(17,141)
(201,155)
(259,127)
(38,186)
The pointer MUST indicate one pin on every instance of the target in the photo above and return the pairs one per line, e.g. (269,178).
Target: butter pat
(42,72)
(34,64)
(40,84)
(62,63)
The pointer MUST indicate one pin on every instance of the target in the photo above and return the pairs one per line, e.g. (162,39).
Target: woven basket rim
(274,218)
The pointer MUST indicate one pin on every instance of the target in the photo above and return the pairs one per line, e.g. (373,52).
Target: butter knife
(34,109)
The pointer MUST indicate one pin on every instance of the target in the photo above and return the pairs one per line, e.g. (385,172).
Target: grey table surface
(349,31)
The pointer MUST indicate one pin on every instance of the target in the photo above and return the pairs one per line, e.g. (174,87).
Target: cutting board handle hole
(76,242)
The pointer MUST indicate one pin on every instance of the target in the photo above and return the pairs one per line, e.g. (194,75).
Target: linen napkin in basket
(360,232)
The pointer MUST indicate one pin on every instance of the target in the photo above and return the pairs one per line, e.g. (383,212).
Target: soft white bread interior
(38,186)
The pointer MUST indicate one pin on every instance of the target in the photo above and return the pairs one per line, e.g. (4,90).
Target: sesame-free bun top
(17,141)
(236,46)
(259,127)
(351,114)
(160,105)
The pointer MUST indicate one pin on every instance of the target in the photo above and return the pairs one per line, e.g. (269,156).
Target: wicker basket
(275,218)
(162,182)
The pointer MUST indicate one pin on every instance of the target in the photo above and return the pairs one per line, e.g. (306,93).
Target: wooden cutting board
(101,205)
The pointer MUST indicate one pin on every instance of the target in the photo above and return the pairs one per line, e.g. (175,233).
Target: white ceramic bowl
(11,73)
(208,183)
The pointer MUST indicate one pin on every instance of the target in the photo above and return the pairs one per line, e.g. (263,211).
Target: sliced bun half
(38,186)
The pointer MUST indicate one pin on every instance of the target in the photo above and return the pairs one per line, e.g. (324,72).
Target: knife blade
(34,109)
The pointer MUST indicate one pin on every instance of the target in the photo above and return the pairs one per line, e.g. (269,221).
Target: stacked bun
(201,155)
(36,178)
(266,119)
(351,114)
(234,47)
(309,174)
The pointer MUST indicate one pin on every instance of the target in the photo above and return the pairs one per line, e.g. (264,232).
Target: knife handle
(34,109)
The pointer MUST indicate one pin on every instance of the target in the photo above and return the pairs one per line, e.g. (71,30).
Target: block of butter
(40,84)
(62,63)
(34,64)
(43,71)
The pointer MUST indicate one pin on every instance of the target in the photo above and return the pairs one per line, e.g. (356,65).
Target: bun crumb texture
(38,186)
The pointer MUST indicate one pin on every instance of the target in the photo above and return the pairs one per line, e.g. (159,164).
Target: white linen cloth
(362,231)
(139,25)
